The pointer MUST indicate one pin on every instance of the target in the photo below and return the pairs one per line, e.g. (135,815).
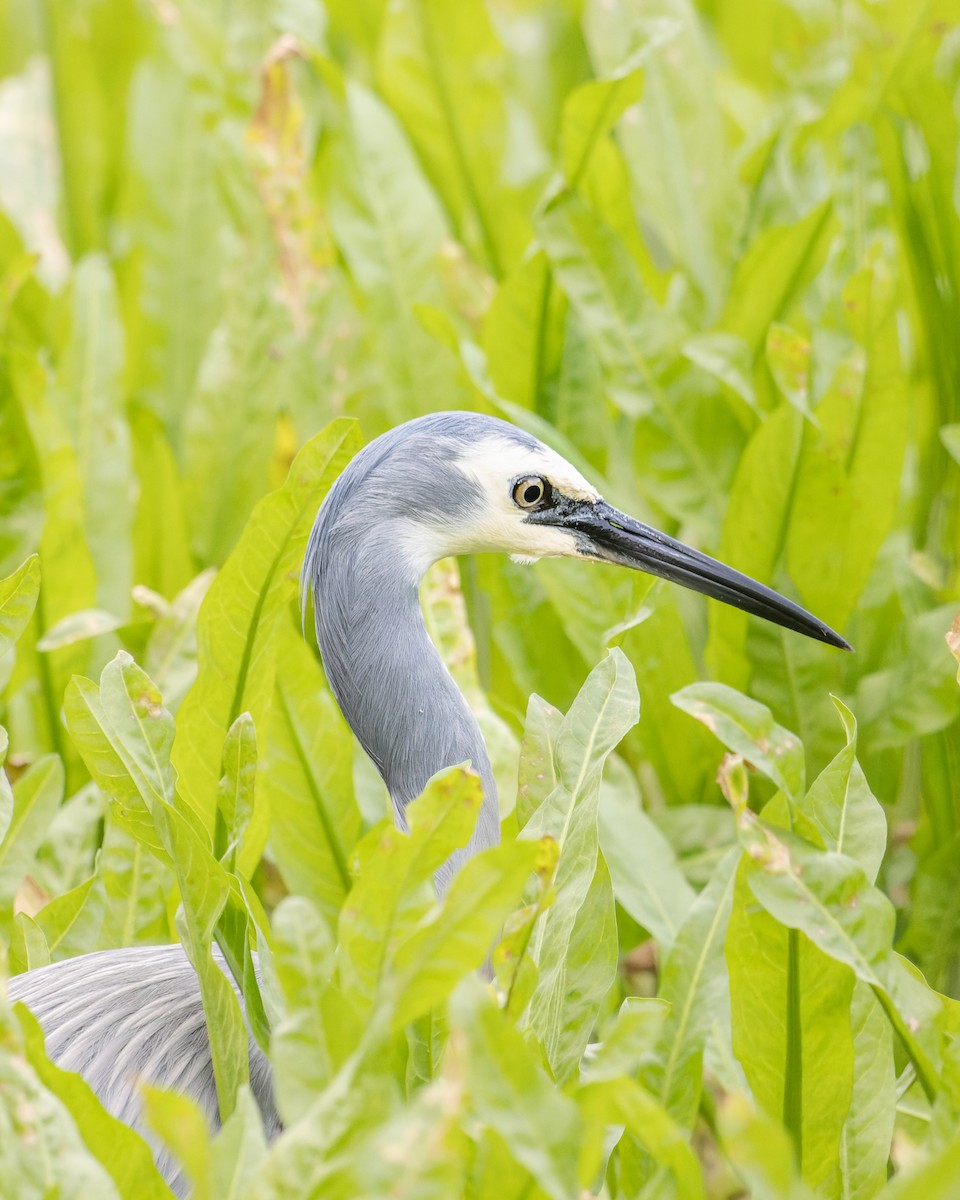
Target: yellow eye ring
(529,491)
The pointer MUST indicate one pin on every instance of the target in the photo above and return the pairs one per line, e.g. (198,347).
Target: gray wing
(118,1017)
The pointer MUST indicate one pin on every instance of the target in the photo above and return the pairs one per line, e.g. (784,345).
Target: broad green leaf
(510,1093)
(936,1179)
(306,781)
(124,735)
(690,980)
(458,937)
(317,1030)
(538,771)
(390,227)
(606,708)
(237,810)
(754,529)
(36,797)
(183,1129)
(67,926)
(79,627)
(237,619)
(747,728)
(647,881)
(394,885)
(88,395)
(776,268)
(631,336)
(851,465)
(868,1129)
(6,792)
(18,598)
(791,1031)
(591,111)
(846,812)
(238,1149)
(623,1101)
(441,69)
(41,1147)
(120,1150)
(828,897)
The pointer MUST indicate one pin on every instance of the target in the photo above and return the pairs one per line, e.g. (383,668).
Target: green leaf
(121,1151)
(537,772)
(124,735)
(511,1094)
(18,598)
(868,1130)
(391,229)
(791,1032)
(237,619)
(692,978)
(458,937)
(88,395)
(236,802)
(647,881)
(828,897)
(441,69)
(779,264)
(317,1030)
(36,797)
(591,111)
(562,1017)
(41,1147)
(846,812)
(307,782)
(394,886)
(624,1102)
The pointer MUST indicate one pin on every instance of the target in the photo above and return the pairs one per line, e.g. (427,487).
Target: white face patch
(496,464)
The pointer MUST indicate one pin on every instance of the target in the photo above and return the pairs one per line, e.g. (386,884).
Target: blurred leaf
(36,797)
(42,1149)
(510,1093)
(79,627)
(89,399)
(122,1152)
(828,897)
(459,937)
(18,598)
(774,270)
(441,69)
(391,868)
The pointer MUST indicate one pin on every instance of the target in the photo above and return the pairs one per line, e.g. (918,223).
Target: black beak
(612,536)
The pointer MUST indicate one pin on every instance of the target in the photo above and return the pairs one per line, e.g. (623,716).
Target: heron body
(441,485)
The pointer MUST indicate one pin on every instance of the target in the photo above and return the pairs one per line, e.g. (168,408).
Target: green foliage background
(711,253)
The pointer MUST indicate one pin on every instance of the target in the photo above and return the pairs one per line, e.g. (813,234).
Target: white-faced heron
(440,485)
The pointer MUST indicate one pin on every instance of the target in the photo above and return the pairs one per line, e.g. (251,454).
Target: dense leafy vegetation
(712,254)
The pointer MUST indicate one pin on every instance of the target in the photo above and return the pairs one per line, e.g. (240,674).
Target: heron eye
(530,492)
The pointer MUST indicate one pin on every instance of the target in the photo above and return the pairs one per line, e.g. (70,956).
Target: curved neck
(388,678)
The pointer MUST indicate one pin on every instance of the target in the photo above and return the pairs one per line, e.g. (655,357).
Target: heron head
(464,483)
(532,503)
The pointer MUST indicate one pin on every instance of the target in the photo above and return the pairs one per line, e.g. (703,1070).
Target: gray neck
(390,682)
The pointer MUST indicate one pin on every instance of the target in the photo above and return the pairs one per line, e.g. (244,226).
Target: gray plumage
(118,1017)
(364,572)
(451,483)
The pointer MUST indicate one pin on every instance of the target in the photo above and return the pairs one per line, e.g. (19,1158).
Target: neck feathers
(388,678)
